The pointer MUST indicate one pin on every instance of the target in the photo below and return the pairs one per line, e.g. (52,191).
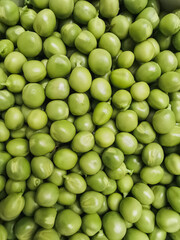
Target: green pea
(57,88)
(159,196)
(126,121)
(79,236)
(60,159)
(109,10)
(164,41)
(3,78)
(30,132)
(6,47)
(18,147)
(90,163)
(53,45)
(140,91)
(33,95)
(11,206)
(45,217)
(170,139)
(25,228)
(146,222)
(144,51)
(173,80)
(156,46)
(98,182)
(175,236)
(135,234)
(146,174)
(3,232)
(173,197)
(14,61)
(167,177)
(45,234)
(4,158)
(62,9)
(134,163)
(111,125)
(114,201)
(125,184)
(133,7)
(122,78)
(91,201)
(148,72)
(85,42)
(100,61)
(175,41)
(172,163)
(37,119)
(168,220)
(33,182)
(102,113)
(41,144)
(15,186)
(125,59)
(27,18)
(14,32)
(100,89)
(4,132)
(14,118)
(57,110)
(163,121)
(91,224)
(120,26)
(143,193)
(144,133)
(78,58)
(15,83)
(168,57)
(112,157)
(30,204)
(58,66)
(68,222)
(122,99)
(175,108)
(158,99)
(157,234)
(65,197)
(57,176)
(10,12)
(169,24)
(75,183)
(104,137)
(2,183)
(96,26)
(111,187)
(126,142)
(78,103)
(84,123)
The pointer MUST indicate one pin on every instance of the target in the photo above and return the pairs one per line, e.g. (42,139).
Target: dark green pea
(135,234)
(175,236)
(120,26)
(114,225)
(58,66)
(111,43)
(6,47)
(79,9)
(117,173)
(172,163)
(57,176)
(159,196)
(45,234)
(18,147)
(75,183)
(90,163)
(10,12)
(100,61)
(30,204)
(157,234)
(169,24)
(4,132)
(62,8)
(107,9)
(68,222)
(126,142)
(143,193)
(170,139)
(3,232)
(14,62)
(104,137)
(91,201)
(144,133)
(148,72)
(153,154)
(169,82)
(2,146)
(78,59)
(11,206)
(114,201)
(25,228)
(45,217)
(33,95)
(163,121)
(85,42)
(173,197)
(4,158)
(53,45)
(97,27)
(27,18)
(112,158)
(65,197)
(147,172)
(122,78)
(57,88)
(175,41)
(168,220)
(102,113)
(79,236)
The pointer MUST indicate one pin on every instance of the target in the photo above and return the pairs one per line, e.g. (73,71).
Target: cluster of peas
(90,120)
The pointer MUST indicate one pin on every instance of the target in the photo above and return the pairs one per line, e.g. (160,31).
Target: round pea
(169,82)
(62,8)
(143,193)
(122,99)
(3,232)
(78,103)
(18,147)
(146,174)
(14,62)
(133,7)
(4,132)
(45,234)
(157,234)
(10,14)
(172,163)
(173,197)
(30,203)
(100,89)
(91,224)
(144,133)
(158,99)
(169,24)
(126,142)
(144,51)
(135,234)
(104,137)
(102,113)
(120,26)
(27,17)
(125,59)
(140,91)
(6,47)
(122,78)
(75,183)
(96,26)
(127,121)
(53,45)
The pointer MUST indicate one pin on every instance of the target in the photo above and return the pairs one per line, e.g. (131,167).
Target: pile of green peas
(89,120)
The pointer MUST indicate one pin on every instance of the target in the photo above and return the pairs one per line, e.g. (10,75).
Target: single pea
(100,89)
(45,217)
(173,79)
(53,45)
(104,137)
(163,121)
(76,207)
(146,223)
(175,108)
(175,41)
(167,177)
(14,32)
(172,163)
(125,59)
(144,133)
(91,224)
(122,78)
(30,204)
(157,234)
(117,173)
(130,209)
(10,14)
(125,184)
(33,95)
(84,123)
(18,147)
(25,228)
(57,110)
(14,118)
(170,59)
(11,206)
(45,234)
(108,10)
(97,182)
(3,183)
(3,78)
(140,91)
(173,197)
(127,121)
(78,59)
(169,24)
(112,157)
(57,88)
(168,220)
(15,186)
(85,42)
(57,176)
(4,132)
(170,139)
(14,62)
(135,234)
(146,174)
(58,66)
(158,99)
(100,61)
(6,47)
(3,232)
(62,9)
(96,26)
(156,46)
(67,222)
(75,183)
(27,18)
(65,197)
(111,187)
(126,142)
(102,113)
(78,103)
(120,26)
(111,125)
(175,236)
(144,52)
(134,163)
(133,7)
(37,119)
(41,144)
(15,83)
(114,201)
(122,99)
(143,193)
